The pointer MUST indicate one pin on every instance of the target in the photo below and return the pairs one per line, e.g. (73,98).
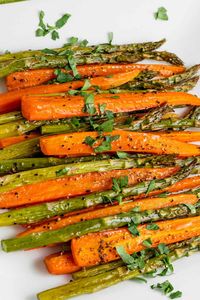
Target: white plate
(22,274)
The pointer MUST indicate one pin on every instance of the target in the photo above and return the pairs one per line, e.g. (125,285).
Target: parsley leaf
(62,171)
(127,258)
(168,267)
(165,287)
(151,186)
(152,226)
(132,261)
(62,21)
(86,85)
(72,65)
(89,104)
(175,295)
(44,29)
(89,140)
(106,126)
(161,14)
(106,143)
(163,249)
(122,154)
(133,229)
(110,37)
(147,243)
(62,76)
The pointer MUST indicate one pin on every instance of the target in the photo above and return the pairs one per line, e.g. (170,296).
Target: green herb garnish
(62,171)
(165,287)
(147,243)
(45,29)
(152,226)
(161,14)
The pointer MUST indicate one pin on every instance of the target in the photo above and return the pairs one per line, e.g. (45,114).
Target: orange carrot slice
(30,78)
(77,185)
(100,247)
(74,144)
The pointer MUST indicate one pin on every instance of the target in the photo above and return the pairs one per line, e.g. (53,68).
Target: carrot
(16,139)
(100,247)
(74,144)
(77,185)
(144,204)
(11,100)
(182,136)
(30,78)
(55,107)
(61,263)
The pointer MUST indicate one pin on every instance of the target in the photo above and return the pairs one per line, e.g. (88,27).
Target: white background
(22,274)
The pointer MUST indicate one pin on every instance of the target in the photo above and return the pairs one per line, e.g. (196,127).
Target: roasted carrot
(77,185)
(30,78)
(16,139)
(144,204)
(61,263)
(55,107)
(74,144)
(100,247)
(11,100)
(182,136)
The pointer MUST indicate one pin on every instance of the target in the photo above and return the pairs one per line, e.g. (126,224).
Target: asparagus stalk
(9,182)
(106,279)
(149,253)
(19,127)
(23,149)
(67,233)
(61,61)
(193,120)
(10,117)
(36,213)
(163,83)
(9,1)
(186,85)
(78,49)
(24,164)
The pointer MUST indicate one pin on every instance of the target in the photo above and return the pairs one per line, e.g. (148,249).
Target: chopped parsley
(106,143)
(152,226)
(167,289)
(45,29)
(122,154)
(110,37)
(163,249)
(136,260)
(132,227)
(89,104)
(161,14)
(72,65)
(62,172)
(150,187)
(62,77)
(86,85)
(147,243)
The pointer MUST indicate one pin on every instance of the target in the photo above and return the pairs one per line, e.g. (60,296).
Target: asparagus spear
(186,85)
(193,120)
(36,213)
(106,279)
(23,164)
(67,233)
(19,127)
(11,181)
(61,61)
(149,253)
(78,49)
(9,1)
(10,117)
(163,83)
(23,149)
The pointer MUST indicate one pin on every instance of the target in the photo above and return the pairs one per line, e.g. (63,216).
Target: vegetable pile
(95,159)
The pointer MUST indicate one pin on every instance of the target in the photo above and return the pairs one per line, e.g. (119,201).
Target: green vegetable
(33,214)
(161,14)
(152,226)
(147,243)
(175,295)
(45,29)
(165,287)
(110,37)
(100,281)
(65,234)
